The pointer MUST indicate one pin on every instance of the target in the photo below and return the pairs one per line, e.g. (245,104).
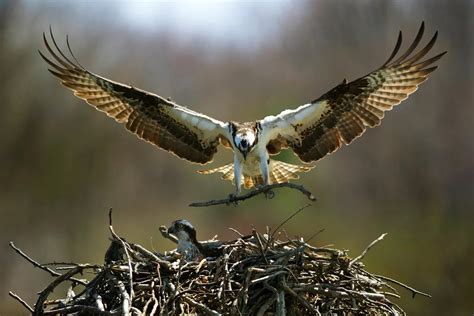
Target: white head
(245,137)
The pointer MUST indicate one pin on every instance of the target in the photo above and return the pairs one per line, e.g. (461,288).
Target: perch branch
(22,302)
(362,255)
(266,189)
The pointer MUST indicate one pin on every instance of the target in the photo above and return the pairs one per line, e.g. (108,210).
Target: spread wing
(338,117)
(181,131)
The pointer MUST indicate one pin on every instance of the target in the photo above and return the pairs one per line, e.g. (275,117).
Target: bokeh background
(63,164)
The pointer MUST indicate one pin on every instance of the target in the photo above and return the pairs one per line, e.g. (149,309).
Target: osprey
(193,250)
(188,246)
(312,131)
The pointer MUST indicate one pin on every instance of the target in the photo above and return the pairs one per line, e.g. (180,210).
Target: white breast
(251,166)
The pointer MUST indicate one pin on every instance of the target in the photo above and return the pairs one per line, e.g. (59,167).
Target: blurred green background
(63,164)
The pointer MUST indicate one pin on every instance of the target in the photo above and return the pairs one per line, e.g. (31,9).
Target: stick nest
(253,275)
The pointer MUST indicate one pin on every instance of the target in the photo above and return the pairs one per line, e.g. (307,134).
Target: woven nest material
(254,275)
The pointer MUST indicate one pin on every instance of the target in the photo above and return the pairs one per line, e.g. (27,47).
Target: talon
(269,194)
(233,198)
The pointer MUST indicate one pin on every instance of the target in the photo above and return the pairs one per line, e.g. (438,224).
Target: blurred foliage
(64,164)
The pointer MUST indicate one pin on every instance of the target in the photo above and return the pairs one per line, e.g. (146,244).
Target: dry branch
(266,189)
(362,255)
(22,302)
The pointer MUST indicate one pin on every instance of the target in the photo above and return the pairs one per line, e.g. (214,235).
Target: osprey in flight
(312,131)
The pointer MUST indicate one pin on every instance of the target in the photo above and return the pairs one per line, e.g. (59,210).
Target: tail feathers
(279,172)
(227,171)
(283,172)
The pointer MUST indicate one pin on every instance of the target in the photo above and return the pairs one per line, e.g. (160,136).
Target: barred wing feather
(338,117)
(187,134)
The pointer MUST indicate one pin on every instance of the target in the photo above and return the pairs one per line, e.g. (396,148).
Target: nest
(253,275)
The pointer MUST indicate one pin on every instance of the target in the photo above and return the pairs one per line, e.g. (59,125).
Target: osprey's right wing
(187,134)
(344,113)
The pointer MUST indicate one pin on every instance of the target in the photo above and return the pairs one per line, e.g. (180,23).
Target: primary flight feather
(312,130)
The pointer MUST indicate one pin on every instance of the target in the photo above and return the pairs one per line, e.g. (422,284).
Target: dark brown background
(63,164)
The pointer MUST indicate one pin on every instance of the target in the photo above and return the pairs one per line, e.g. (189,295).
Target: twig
(201,307)
(260,245)
(414,291)
(283,223)
(150,255)
(362,255)
(264,189)
(314,235)
(267,277)
(289,218)
(299,298)
(236,231)
(39,265)
(66,276)
(155,301)
(126,305)
(281,304)
(22,302)
(263,308)
(126,298)
(81,309)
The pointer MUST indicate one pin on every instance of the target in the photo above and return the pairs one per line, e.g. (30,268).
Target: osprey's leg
(237,174)
(265,168)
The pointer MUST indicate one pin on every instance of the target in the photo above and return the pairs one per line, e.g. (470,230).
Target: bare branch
(267,189)
(362,255)
(129,296)
(299,298)
(270,239)
(49,289)
(201,307)
(414,291)
(81,309)
(39,265)
(22,302)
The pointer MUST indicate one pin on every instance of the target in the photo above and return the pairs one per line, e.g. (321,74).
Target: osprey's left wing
(187,134)
(343,114)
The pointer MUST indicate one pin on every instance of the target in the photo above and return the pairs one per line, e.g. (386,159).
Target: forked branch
(266,189)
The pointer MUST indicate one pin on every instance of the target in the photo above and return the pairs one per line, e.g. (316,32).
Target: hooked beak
(171,230)
(244,153)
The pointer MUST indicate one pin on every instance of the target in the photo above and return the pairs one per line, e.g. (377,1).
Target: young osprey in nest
(188,245)
(312,130)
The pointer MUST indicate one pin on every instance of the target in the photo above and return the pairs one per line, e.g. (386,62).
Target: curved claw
(233,199)
(269,194)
